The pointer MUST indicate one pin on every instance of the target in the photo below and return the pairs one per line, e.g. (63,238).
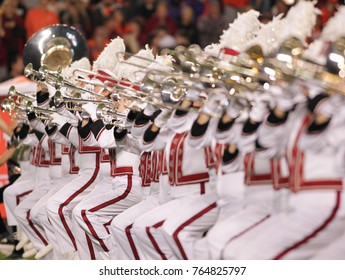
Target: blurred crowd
(161,24)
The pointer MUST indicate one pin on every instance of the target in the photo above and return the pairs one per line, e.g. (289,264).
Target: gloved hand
(215,103)
(150,110)
(235,108)
(330,105)
(259,110)
(283,98)
(90,108)
(162,118)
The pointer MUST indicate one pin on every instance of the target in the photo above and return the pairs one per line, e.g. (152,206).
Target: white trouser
(147,229)
(95,212)
(334,251)
(186,227)
(124,241)
(61,204)
(34,232)
(257,209)
(315,219)
(14,194)
(40,217)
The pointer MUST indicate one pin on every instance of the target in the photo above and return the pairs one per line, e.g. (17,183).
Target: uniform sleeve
(104,137)
(202,135)
(30,140)
(56,136)
(156,143)
(272,136)
(71,133)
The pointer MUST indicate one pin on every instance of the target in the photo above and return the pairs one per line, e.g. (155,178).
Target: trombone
(53,79)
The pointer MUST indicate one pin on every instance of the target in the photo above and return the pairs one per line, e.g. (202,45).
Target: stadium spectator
(187,32)
(211,26)
(159,18)
(39,17)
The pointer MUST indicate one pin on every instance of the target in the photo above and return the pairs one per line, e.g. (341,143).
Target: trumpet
(12,92)
(76,100)
(53,79)
(109,116)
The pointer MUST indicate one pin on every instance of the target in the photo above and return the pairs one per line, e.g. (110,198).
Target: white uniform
(122,190)
(189,177)
(316,212)
(61,204)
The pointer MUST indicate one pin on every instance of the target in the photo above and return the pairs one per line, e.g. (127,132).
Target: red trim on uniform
(176,177)
(296,168)
(73,196)
(153,241)
(106,225)
(31,224)
(103,205)
(188,222)
(104,156)
(145,169)
(87,149)
(315,232)
(202,188)
(131,242)
(92,230)
(244,232)
(99,133)
(54,160)
(279,181)
(19,196)
(229,51)
(250,177)
(89,245)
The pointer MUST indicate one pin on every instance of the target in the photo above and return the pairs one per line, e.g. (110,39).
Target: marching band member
(124,188)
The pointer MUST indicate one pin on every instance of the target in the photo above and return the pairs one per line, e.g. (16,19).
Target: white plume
(315,52)
(268,36)
(110,57)
(299,21)
(335,26)
(242,30)
(83,63)
(128,69)
(213,49)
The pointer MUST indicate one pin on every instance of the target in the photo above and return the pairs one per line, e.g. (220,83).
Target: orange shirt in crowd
(38,18)
(236,3)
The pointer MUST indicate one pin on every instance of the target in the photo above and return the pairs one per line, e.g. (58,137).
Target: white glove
(215,103)
(162,118)
(259,111)
(90,108)
(329,106)
(150,110)
(234,109)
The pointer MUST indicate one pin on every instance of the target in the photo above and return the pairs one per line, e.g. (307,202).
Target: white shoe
(43,252)
(23,240)
(28,246)
(71,256)
(30,253)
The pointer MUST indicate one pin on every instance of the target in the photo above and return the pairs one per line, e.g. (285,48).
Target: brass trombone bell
(12,92)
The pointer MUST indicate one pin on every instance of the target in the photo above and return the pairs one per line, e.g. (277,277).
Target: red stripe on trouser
(73,196)
(186,223)
(106,225)
(89,245)
(40,236)
(19,196)
(131,241)
(103,205)
(315,232)
(153,241)
(243,232)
